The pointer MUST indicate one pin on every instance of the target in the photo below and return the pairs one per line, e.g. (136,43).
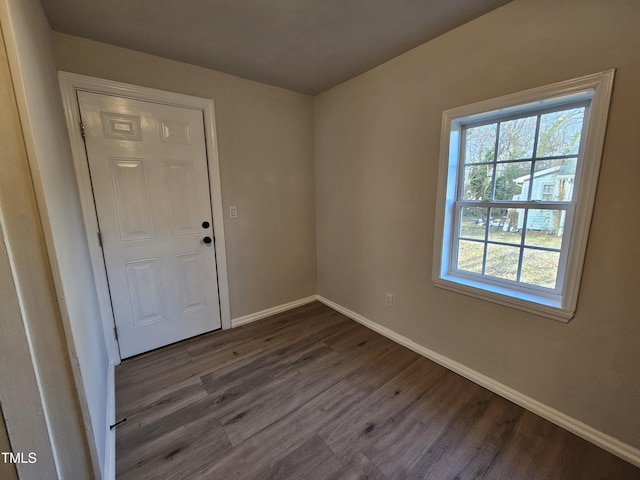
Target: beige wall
(37,390)
(35,78)
(376,152)
(266,163)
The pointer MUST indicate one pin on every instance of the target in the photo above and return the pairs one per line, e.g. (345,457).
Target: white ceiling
(303,45)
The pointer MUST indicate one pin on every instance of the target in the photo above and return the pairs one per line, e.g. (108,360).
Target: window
(516,189)
(548,189)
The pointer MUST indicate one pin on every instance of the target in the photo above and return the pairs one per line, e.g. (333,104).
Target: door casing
(70,83)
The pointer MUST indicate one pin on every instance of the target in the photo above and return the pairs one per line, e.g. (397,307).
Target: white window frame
(559,304)
(551,194)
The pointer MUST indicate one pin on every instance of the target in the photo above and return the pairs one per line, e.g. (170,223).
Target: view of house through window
(516,189)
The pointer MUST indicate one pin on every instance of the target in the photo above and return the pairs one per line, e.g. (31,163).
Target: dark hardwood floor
(309,394)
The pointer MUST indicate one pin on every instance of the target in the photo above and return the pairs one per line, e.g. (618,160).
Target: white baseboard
(607,442)
(109,467)
(252,317)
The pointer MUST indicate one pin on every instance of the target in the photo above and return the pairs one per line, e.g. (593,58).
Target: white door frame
(70,83)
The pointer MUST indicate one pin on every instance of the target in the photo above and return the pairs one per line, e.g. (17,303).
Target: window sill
(530,303)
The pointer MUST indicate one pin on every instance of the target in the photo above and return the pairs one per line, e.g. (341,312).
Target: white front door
(150,182)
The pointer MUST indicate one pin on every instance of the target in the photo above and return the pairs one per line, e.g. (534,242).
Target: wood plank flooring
(309,394)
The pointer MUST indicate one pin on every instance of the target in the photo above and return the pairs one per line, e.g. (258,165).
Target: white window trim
(558,307)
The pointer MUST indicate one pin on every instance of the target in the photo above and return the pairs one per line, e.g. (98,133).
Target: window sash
(522,111)
(568,207)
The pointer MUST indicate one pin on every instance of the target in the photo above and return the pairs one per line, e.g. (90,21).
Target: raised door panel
(175,132)
(181,194)
(191,279)
(145,292)
(121,127)
(131,193)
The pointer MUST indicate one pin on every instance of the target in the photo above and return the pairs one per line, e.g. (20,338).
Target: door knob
(207,240)
(205,224)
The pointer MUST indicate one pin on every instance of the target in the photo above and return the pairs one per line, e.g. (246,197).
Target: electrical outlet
(233,212)
(388,300)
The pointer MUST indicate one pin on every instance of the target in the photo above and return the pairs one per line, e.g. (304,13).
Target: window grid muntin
(496,147)
(516,204)
(536,139)
(529,159)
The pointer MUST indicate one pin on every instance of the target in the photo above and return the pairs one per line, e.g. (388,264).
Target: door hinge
(82,130)
(115,332)
(100,239)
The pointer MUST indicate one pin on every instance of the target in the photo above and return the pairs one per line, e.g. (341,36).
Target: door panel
(145,293)
(150,180)
(190,276)
(131,191)
(181,192)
